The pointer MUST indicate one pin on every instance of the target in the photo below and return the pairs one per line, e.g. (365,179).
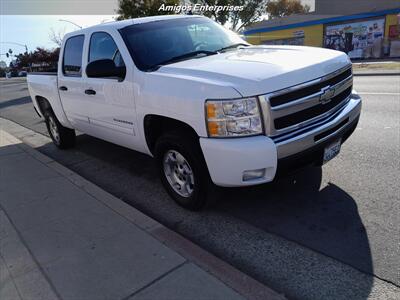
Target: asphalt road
(323,233)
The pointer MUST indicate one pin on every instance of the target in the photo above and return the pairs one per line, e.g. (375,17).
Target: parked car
(207,105)
(22,74)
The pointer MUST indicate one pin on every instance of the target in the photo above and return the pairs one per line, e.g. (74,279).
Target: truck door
(71,83)
(110,100)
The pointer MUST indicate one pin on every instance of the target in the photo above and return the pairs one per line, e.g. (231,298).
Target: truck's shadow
(17,101)
(295,207)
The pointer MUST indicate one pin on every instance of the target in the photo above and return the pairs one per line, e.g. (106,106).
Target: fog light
(253,174)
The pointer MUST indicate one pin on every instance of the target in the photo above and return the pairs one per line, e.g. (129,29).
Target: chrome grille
(311,112)
(303,105)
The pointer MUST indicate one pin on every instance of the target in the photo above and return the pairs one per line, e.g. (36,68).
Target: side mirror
(105,68)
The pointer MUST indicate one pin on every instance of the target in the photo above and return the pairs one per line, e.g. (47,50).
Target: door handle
(90,92)
(63,88)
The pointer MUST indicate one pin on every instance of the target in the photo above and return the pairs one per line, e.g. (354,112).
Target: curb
(376,74)
(235,279)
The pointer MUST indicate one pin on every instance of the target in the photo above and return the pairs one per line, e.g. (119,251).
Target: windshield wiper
(232,46)
(186,56)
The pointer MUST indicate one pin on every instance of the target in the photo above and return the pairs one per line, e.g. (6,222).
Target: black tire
(189,148)
(64,138)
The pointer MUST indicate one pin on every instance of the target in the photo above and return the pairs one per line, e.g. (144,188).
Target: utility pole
(18,44)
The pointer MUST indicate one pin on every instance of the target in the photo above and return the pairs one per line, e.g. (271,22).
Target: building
(364,29)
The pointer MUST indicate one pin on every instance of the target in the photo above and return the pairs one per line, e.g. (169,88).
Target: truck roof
(124,23)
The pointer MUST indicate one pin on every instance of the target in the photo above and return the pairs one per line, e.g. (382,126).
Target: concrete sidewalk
(61,237)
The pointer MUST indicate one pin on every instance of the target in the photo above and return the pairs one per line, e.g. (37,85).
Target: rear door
(111,112)
(71,82)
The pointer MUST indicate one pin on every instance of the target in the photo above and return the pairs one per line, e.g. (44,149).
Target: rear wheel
(62,137)
(182,170)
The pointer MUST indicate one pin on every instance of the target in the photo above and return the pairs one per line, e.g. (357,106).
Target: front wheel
(62,137)
(182,170)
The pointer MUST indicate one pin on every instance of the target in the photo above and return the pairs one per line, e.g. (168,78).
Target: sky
(34,30)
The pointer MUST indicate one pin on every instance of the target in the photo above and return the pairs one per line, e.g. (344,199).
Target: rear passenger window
(102,46)
(72,60)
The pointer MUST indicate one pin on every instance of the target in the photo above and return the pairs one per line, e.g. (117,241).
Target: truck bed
(44,85)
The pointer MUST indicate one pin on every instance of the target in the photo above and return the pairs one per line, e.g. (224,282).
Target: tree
(57,36)
(253,9)
(143,8)
(282,8)
(252,12)
(221,17)
(40,56)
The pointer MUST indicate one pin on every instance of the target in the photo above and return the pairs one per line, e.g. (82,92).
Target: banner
(359,39)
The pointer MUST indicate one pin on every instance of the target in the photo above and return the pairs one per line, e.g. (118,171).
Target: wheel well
(155,126)
(43,104)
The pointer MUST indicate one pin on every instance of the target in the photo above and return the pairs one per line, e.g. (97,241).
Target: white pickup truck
(211,108)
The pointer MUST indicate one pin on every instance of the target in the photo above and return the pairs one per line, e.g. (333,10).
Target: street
(322,233)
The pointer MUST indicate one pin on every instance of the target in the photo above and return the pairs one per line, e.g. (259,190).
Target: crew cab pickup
(208,106)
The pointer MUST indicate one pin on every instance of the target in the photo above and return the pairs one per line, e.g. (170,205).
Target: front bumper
(228,159)
(314,155)
(313,135)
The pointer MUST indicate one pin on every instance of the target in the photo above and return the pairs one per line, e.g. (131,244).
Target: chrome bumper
(315,134)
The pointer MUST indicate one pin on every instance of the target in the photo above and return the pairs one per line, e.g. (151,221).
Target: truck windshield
(158,43)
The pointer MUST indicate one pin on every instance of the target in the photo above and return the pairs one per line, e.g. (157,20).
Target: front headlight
(228,118)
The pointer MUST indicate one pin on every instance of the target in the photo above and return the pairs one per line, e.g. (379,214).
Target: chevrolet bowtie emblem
(327,94)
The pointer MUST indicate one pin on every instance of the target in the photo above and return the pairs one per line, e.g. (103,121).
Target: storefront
(361,36)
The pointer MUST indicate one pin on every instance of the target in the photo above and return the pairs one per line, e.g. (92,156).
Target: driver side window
(102,46)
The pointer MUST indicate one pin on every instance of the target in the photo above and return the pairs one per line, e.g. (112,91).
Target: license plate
(331,151)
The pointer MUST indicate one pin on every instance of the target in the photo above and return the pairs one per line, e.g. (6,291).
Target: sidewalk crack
(155,280)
